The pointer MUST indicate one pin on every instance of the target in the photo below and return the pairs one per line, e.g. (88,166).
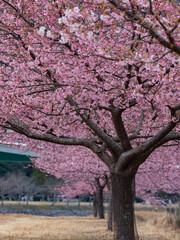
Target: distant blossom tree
(160,173)
(100,74)
(82,173)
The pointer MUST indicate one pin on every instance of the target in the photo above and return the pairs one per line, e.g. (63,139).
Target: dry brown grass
(26,227)
(155,226)
(151,226)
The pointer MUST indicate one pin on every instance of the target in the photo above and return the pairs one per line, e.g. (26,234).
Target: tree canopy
(93,73)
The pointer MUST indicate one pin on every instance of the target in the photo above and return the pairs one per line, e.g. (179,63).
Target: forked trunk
(123,211)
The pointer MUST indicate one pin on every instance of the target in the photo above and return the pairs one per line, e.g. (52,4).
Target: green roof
(9,154)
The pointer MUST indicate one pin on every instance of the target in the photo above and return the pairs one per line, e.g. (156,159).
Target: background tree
(5,189)
(160,177)
(31,189)
(6,167)
(19,184)
(82,173)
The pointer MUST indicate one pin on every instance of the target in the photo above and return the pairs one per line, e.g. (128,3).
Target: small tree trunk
(43,197)
(178,215)
(100,202)
(123,211)
(19,200)
(48,198)
(170,212)
(110,211)
(90,200)
(79,202)
(94,204)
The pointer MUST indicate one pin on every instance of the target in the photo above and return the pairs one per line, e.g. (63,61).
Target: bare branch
(175,111)
(102,107)
(22,128)
(140,136)
(151,8)
(163,136)
(44,84)
(113,146)
(173,28)
(120,129)
(171,136)
(138,129)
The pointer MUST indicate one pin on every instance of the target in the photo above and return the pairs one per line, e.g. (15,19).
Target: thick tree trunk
(94,205)
(123,211)
(110,211)
(100,202)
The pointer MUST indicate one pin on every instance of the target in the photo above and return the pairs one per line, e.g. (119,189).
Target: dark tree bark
(100,202)
(110,210)
(110,206)
(79,201)
(123,210)
(100,188)
(94,204)
(19,200)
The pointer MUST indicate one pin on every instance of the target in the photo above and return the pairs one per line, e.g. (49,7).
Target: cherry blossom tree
(82,173)
(99,74)
(93,188)
(159,173)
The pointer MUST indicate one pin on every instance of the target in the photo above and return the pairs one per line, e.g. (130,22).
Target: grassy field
(151,226)
(71,205)
(48,205)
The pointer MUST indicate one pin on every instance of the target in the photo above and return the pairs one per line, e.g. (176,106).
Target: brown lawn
(151,226)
